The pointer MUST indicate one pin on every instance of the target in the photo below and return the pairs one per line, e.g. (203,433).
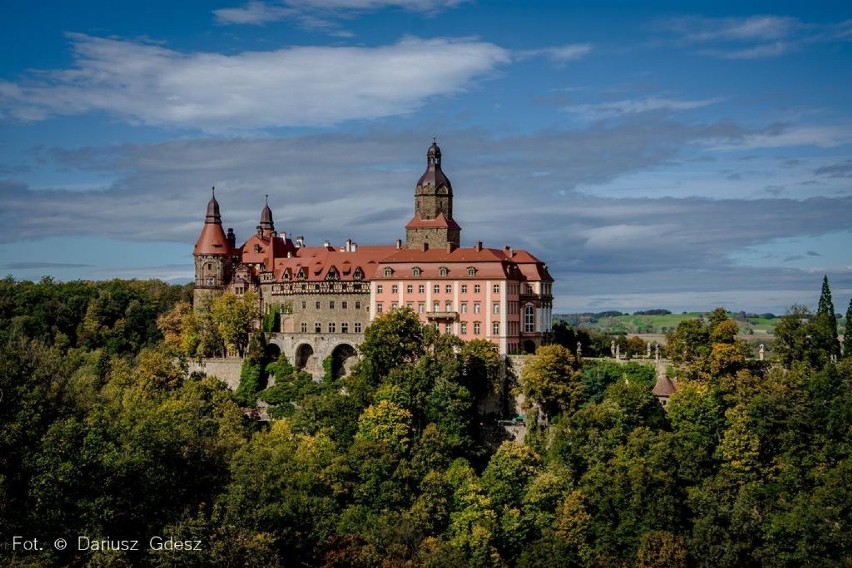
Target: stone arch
(304,356)
(343,356)
(272,352)
(529,346)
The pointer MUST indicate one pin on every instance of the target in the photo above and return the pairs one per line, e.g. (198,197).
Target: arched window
(416,271)
(443,271)
(471,271)
(388,272)
(529,318)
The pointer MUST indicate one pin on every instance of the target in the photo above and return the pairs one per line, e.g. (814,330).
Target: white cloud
(297,86)
(598,111)
(315,13)
(754,28)
(789,136)
(561,53)
(757,52)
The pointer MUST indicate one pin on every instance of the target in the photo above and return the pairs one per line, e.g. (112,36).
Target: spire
(213,215)
(433,175)
(266,217)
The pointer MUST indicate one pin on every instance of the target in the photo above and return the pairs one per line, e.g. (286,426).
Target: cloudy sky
(654,154)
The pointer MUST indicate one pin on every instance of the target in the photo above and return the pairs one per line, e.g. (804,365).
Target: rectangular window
(344,305)
(449,306)
(358,305)
(436,306)
(378,308)
(394,289)
(495,328)
(448,328)
(331,327)
(344,328)
(317,328)
(448,288)
(409,289)
(529,318)
(304,305)
(476,328)
(317,305)
(421,308)
(476,308)
(496,288)
(464,307)
(496,308)
(464,288)
(421,289)
(379,289)
(331,304)
(436,289)
(464,328)
(358,327)
(476,288)
(304,327)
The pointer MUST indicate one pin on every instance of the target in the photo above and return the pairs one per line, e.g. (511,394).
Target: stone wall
(227,370)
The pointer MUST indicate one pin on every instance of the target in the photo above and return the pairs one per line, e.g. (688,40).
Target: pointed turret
(214,255)
(212,239)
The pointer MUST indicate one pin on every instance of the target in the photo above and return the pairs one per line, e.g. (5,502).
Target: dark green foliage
(272,319)
(847,333)
(389,466)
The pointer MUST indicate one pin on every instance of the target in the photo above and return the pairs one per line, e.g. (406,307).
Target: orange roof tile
(212,240)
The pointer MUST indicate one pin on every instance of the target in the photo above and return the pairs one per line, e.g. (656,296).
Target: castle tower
(266,228)
(433,224)
(213,254)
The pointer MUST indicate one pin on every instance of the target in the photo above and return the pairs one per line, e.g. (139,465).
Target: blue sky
(656,154)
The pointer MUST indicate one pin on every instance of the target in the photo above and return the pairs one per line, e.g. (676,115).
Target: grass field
(657,324)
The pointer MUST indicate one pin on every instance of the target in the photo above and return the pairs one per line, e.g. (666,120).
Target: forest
(105,435)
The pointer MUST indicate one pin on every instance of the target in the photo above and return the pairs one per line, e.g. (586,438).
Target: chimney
(354,247)
(398,244)
(300,241)
(424,247)
(348,245)
(450,247)
(232,238)
(478,246)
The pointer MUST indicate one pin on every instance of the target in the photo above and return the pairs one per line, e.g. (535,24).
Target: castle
(328,295)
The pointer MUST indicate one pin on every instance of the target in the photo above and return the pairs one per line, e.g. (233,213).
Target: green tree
(235,319)
(552,379)
(847,333)
(826,318)
(393,339)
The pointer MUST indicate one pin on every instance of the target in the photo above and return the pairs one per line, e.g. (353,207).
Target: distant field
(661,324)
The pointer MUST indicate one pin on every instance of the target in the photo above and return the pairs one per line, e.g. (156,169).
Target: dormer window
(443,271)
(301,275)
(287,275)
(471,271)
(256,248)
(332,274)
(358,274)
(388,272)
(416,272)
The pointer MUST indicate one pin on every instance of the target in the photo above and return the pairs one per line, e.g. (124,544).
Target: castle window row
(344,305)
(331,327)
(436,288)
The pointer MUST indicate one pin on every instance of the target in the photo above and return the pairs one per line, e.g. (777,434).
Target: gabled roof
(664,387)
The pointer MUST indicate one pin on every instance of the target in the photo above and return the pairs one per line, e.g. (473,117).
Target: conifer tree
(847,333)
(827,318)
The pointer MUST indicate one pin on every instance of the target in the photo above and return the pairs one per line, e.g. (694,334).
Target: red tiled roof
(317,261)
(439,222)
(664,387)
(212,240)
